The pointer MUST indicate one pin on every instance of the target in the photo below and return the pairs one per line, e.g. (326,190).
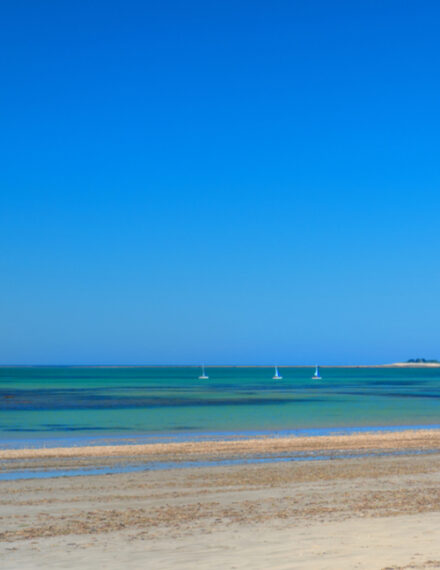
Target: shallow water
(48,405)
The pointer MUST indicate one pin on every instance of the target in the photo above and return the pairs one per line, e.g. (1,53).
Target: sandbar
(420,439)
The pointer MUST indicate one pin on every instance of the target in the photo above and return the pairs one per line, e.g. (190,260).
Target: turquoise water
(41,405)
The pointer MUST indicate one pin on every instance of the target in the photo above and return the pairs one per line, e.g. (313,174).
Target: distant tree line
(420,361)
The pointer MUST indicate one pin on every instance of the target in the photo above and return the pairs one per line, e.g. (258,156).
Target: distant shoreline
(284,366)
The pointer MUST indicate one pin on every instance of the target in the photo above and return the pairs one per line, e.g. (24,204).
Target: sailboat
(316,376)
(203,375)
(277,376)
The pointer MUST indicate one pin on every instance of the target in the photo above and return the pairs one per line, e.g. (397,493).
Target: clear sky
(219,181)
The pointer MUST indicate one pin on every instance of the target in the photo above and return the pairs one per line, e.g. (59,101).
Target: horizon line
(382,365)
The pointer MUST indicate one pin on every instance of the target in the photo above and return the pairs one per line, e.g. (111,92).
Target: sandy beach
(377,511)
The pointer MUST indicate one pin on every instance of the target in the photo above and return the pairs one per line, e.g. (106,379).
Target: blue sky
(227,182)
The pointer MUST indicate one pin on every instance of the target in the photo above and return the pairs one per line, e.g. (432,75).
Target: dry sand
(365,513)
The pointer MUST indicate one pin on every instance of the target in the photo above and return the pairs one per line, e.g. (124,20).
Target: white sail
(203,375)
(316,376)
(276,376)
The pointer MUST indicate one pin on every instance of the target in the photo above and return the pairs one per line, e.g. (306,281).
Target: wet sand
(370,513)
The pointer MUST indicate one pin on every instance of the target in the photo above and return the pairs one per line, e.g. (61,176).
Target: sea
(53,406)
